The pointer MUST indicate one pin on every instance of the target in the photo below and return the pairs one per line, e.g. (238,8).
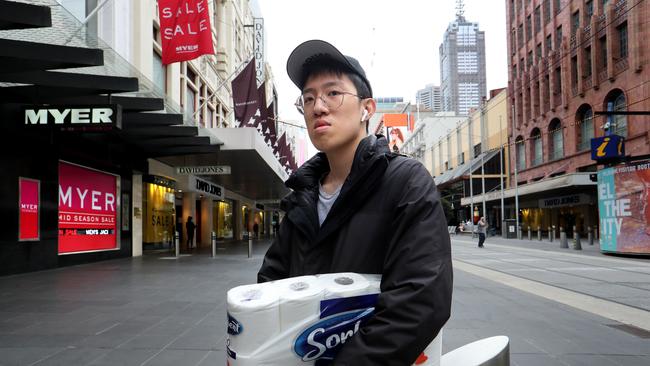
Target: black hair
(319,66)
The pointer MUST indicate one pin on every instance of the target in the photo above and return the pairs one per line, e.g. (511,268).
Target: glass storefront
(158,202)
(223,219)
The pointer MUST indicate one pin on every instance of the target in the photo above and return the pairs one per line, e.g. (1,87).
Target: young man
(357,207)
(482,230)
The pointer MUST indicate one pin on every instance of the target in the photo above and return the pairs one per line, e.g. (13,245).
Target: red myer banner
(185,30)
(87,209)
(29,207)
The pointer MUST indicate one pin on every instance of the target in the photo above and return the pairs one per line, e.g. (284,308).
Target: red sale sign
(29,207)
(185,30)
(87,209)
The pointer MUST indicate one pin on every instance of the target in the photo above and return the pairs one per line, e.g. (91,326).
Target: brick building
(567,60)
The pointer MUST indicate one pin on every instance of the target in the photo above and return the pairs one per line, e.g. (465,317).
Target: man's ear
(369,108)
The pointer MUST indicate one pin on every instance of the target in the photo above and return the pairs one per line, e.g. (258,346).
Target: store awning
(255,172)
(575,180)
(453,175)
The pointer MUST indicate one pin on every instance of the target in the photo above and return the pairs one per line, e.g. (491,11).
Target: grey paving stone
(124,357)
(73,356)
(176,357)
(18,356)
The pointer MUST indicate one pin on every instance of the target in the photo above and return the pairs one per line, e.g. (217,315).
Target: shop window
(223,218)
(159,72)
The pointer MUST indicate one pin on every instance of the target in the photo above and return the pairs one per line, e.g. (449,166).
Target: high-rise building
(462,66)
(429,97)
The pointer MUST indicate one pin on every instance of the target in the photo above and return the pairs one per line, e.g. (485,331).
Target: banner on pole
(185,30)
(245,96)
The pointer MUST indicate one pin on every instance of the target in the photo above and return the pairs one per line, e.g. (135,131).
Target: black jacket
(387,220)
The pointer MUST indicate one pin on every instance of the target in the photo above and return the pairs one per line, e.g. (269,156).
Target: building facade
(462,67)
(429,98)
(569,60)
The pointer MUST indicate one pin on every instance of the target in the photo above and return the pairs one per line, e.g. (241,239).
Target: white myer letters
(61,116)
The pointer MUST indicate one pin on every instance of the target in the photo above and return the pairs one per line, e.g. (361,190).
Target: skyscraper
(429,97)
(462,65)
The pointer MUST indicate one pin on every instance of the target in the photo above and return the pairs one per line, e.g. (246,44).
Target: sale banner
(87,209)
(624,208)
(185,30)
(29,208)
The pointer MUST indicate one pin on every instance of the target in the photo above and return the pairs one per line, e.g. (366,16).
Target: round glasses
(332,99)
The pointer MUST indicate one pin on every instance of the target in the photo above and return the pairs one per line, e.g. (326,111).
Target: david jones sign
(78,117)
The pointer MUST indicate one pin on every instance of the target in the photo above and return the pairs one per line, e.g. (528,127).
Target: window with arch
(521,153)
(585,123)
(616,102)
(537,156)
(556,140)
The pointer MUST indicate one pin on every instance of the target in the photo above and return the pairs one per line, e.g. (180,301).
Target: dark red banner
(245,96)
(29,207)
(87,209)
(185,30)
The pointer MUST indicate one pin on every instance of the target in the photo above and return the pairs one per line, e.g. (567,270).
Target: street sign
(204,170)
(608,149)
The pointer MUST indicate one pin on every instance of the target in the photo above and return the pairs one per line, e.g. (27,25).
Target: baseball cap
(316,50)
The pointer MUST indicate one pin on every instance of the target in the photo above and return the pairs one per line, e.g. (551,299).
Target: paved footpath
(156,310)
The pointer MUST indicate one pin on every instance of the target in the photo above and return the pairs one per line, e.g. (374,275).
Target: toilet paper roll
(254,311)
(344,284)
(374,283)
(300,299)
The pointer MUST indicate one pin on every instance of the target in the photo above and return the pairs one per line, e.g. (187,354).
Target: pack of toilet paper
(303,321)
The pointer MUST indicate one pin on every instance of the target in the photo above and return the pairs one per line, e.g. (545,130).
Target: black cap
(315,51)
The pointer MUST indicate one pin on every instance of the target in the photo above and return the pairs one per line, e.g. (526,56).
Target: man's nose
(320,106)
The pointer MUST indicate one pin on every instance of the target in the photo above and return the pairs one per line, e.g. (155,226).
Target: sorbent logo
(234,326)
(322,340)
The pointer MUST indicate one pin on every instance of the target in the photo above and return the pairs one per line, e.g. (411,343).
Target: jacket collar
(370,161)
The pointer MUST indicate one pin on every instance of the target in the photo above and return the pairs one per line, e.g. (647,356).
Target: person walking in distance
(482,230)
(357,206)
(190,226)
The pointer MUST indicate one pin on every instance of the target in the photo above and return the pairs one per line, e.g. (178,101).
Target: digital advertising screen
(29,209)
(87,209)
(624,208)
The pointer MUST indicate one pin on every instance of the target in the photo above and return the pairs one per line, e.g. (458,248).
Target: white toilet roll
(344,284)
(256,308)
(374,283)
(300,299)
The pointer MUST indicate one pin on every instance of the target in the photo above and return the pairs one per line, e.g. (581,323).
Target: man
(482,230)
(357,207)
(190,226)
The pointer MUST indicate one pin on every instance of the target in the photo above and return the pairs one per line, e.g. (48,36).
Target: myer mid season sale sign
(87,209)
(624,208)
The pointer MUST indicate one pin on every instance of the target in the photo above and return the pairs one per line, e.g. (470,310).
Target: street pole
(471,158)
(516,188)
(483,127)
(501,175)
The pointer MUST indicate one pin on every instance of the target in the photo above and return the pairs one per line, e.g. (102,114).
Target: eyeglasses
(332,99)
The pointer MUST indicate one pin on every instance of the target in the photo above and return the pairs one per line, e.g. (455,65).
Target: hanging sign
(185,30)
(29,209)
(204,170)
(259,49)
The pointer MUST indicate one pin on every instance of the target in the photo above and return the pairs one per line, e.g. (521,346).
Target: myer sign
(208,188)
(562,201)
(204,170)
(96,117)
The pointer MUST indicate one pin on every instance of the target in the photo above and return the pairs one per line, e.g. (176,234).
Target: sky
(396,42)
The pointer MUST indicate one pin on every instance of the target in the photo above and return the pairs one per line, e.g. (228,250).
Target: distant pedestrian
(190,226)
(256,229)
(482,230)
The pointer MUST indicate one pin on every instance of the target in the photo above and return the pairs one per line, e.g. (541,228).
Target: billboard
(624,208)
(28,208)
(87,210)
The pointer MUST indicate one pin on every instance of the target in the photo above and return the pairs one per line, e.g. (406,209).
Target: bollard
(530,233)
(250,246)
(553,234)
(213,240)
(177,243)
(519,232)
(550,235)
(590,236)
(539,233)
(576,239)
(563,241)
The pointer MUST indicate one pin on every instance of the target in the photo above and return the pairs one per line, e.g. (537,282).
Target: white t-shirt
(325,202)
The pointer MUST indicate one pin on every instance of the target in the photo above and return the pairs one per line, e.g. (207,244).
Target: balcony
(600,22)
(620,9)
(602,75)
(574,90)
(620,65)
(587,82)
(586,32)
